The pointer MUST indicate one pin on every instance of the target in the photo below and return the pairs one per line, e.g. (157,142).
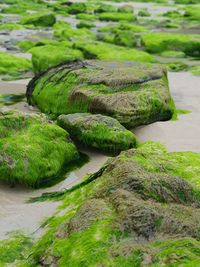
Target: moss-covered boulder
(117,16)
(97,131)
(141,209)
(133,93)
(43,19)
(159,42)
(12,65)
(76,8)
(32,150)
(44,57)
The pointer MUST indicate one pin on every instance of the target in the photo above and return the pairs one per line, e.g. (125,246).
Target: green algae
(97,131)
(44,57)
(159,42)
(13,65)
(117,16)
(43,19)
(101,221)
(14,248)
(48,151)
(11,26)
(104,51)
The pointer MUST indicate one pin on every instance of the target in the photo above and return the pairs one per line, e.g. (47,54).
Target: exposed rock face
(98,131)
(132,93)
(134,211)
(32,150)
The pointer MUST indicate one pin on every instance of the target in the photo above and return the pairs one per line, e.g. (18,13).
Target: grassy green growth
(64,32)
(101,50)
(11,26)
(97,131)
(31,163)
(144,193)
(117,16)
(39,19)
(144,13)
(44,57)
(85,24)
(88,17)
(12,65)
(159,42)
(76,8)
(14,248)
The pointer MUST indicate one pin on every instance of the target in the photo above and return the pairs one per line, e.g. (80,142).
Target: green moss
(44,57)
(144,13)
(88,17)
(85,24)
(11,26)
(196,70)
(12,65)
(117,16)
(43,19)
(64,31)
(46,153)
(105,8)
(173,54)
(177,66)
(125,9)
(97,131)
(192,13)
(159,42)
(76,8)
(14,248)
(178,112)
(104,51)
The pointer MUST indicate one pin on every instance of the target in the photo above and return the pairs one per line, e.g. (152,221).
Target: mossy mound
(159,42)
(44,57)
(12,65)
(76,8)
(104,51)
(32,150)
(133,93)
(141,209)
(98,131)
(43,19)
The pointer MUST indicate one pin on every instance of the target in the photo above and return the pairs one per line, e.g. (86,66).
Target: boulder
(32,150)
(98,131)
(134,94)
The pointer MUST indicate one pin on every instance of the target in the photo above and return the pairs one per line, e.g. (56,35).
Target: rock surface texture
(132,93)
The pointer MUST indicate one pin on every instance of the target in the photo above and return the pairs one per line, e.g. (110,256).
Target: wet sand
(183,134)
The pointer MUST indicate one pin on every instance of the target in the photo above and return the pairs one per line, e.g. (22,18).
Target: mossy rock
(44,57)
(13,65)
(76,8)
(32,150)
(97,131)
(159,42)
(105,8)
(125,9)
(105,51)
(43,19)
(133,93)
(141,208)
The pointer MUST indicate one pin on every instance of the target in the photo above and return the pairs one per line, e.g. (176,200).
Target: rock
(137,209)
(32,150)
(98,131)
(43,19)
(132,93)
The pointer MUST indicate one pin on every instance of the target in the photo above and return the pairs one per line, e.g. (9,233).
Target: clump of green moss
(64,31)
(11,26)
(98,131)
(85,24)
(13,65)
(33,151)
(104,51)
(44,57)
(43,19)
(159,42)
(134,94)
(14,248)
(117,16)
(125,9)
(144,13)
